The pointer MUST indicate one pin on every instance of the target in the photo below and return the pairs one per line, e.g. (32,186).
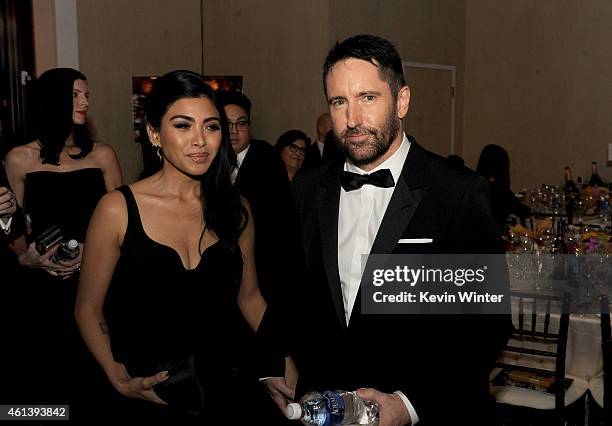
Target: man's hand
(391,409)
(280,392)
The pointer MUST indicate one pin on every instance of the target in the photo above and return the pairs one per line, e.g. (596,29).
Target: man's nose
(353,115)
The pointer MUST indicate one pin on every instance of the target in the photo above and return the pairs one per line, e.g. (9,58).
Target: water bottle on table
(333,408)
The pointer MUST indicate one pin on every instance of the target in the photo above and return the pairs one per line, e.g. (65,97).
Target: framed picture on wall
(224,82)
(141,87)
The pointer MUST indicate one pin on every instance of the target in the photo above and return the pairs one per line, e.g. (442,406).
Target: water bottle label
(335,405)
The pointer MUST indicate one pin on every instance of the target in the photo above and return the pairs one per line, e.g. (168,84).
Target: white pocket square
(415,241)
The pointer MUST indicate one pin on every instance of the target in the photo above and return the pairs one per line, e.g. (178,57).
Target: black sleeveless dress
(162,316)
(64,199)
(55,355)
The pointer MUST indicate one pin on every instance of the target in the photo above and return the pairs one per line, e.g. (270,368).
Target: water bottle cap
(72,244)
(294,411)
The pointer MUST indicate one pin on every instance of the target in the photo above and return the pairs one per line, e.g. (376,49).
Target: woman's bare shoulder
(103,152)
(24,157)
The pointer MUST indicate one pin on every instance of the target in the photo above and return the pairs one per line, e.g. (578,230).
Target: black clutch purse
(182,389)
(48,239)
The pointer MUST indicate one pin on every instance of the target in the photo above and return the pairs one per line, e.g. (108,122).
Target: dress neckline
(64,172)
(177,256)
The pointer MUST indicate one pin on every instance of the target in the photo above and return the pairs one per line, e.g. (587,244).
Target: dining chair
(530,384)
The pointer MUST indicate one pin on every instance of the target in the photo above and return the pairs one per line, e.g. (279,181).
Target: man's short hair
(233,97)
(376,50)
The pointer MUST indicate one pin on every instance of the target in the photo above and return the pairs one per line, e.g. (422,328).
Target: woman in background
(169,268)
(291,146)
(57,180)
(494,165)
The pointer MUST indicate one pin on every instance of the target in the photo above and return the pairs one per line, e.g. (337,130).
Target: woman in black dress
(57,179)
(169,266)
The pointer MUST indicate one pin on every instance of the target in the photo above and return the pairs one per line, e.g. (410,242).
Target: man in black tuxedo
(389,196)
(10,224)
(261,178)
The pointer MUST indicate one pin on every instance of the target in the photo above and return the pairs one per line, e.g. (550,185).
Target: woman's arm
(102,250)
(16,163)
(251,302)
(107,159)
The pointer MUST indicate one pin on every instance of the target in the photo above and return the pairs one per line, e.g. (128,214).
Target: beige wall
(43,20)
(277,46)
(538,83)
(121,39)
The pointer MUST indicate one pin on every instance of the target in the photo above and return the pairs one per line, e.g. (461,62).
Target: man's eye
(369,98)
(337,102)
(75,94)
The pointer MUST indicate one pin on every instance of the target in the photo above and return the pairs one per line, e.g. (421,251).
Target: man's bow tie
(382,178)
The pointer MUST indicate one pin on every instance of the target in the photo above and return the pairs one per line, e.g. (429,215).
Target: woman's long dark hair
(494,165)
(54,111)
(222,208)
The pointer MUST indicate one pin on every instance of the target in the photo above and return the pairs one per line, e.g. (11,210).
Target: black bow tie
(382,178)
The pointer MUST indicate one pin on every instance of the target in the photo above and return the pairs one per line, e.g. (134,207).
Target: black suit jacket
(313,155)
(441,363)
(262,180)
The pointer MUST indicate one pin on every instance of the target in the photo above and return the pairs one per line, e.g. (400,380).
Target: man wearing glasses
(262,179)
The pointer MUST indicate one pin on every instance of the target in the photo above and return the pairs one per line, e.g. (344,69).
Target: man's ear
(403,102)
(153,135)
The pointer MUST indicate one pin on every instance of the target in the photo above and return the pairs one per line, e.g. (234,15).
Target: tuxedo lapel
(407,196)
(328,228)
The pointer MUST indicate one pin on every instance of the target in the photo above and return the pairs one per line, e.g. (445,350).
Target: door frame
(453,70)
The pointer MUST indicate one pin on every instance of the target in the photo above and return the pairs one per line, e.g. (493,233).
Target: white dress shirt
(242,154)
(321,146)
(6,226)
(361,213)
(239,159)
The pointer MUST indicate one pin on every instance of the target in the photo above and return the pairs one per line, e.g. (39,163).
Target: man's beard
(377,144)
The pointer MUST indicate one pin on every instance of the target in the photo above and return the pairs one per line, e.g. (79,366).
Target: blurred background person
(292,147)
(11,291)
(169,268)
(57,179)
(456,161)
(315,152)
(494,165)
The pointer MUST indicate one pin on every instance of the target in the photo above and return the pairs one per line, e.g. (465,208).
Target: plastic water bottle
(68,250)
(333,408)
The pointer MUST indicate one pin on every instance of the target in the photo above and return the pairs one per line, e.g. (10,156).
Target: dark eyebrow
(191,119)
(242,117)
(330,100)
(369,92)
(184,117)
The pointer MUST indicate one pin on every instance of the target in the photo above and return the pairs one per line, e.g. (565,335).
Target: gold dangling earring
(159,152)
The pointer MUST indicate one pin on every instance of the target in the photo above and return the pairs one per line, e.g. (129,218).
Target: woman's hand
(136,387)
(32,259)
(67,268)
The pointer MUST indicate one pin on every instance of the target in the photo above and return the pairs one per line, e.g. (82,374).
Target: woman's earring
(159,152)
